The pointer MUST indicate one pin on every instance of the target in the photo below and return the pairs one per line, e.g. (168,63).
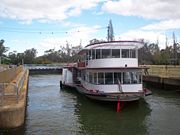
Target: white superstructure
(109,68)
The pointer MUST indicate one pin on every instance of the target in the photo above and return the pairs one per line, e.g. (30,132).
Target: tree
(13,57)
(153,48)
(3,49)
(29,56)
(144,55)
(93,41)
(51,56)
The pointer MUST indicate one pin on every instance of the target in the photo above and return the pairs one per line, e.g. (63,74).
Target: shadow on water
(16,131)
(164,93)
(101,118)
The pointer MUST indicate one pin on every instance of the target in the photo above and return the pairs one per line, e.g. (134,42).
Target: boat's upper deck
(113,45)
(112,54)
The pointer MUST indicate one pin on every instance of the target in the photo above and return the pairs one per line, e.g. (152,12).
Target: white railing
(44,66)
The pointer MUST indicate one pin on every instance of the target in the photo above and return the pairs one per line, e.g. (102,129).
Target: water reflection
(50,111)
(100,118)
(164,118)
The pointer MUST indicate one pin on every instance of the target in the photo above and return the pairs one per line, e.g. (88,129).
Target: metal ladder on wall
(1,93)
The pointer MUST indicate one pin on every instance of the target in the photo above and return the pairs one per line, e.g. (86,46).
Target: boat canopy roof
(114,45)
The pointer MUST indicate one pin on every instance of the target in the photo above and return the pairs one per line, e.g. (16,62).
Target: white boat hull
(110,96)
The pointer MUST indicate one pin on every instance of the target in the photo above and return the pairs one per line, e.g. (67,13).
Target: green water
(52,111)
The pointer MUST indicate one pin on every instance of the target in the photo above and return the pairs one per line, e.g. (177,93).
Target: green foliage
(144,55)
(28,57)
(64,55)
(3,49)
(149,54)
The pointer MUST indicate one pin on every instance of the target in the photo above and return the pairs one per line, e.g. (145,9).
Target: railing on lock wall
(11,91)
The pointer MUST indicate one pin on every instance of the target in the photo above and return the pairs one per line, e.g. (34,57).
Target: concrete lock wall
(13,115)
(8,75)
(166,83)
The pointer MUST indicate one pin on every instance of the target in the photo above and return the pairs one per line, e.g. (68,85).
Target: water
(52,111)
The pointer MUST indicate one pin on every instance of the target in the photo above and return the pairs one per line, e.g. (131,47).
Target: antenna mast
(174,47)
(110,36)
(166,42)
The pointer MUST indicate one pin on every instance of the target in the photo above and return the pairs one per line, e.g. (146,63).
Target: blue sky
(44,25)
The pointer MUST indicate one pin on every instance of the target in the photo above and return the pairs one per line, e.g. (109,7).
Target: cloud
(54,10)
(98,13)
(163,25)
(151,9)
(19,44)
(165,12)
(149,36)
(74,37)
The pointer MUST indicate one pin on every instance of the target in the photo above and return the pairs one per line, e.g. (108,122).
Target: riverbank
(167,71)
(163,76)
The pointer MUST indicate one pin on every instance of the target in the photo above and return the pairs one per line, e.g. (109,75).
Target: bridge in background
(44,68)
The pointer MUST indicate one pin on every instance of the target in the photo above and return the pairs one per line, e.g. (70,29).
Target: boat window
(98,56)
(126,78)
(106,53)
(90,55)
(132,53)
(115,53)
(87,77)
(134,77)
(117,78)
(108,78)
(79,73)
(87,55)
(140,77)
(95,78)
(100,78)
(90,77)
(125,53)
(93,54)
(113,78)
(82,75)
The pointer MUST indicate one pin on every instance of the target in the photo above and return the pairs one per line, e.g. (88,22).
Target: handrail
(22,79)
(14,88)
(1,94)
(12,91)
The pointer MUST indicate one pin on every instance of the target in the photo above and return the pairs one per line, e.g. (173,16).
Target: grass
(164,70)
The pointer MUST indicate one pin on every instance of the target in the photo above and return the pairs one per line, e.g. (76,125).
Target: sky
(49,24)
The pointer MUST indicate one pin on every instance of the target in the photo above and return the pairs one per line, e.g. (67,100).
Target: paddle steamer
(109,72)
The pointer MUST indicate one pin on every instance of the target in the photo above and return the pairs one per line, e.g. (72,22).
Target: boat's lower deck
(110,96)
(98,95)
